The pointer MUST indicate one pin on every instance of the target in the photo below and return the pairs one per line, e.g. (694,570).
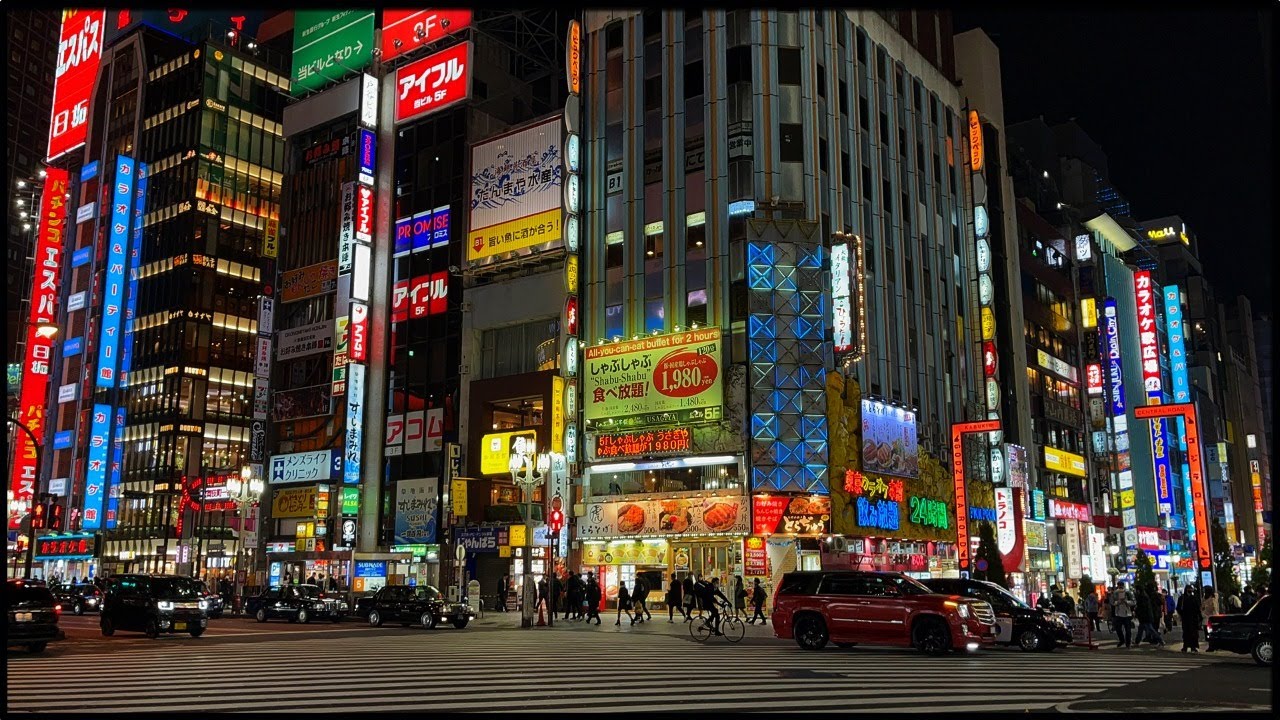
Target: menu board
(791,515)
(889,440)
(676,516)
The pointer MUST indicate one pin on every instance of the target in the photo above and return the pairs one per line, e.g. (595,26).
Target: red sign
(790,514)
(989,361)
(434,82)
(406,30)
(638,444)
(958,431)
(571,316)
(400,301)
(1070,511)
(358,332)
(1199,507)
(429,294)
(33,399)
(1093,376)
(52,547)
(79,54)
(766,513)
(364,213)
(1147,337)
(755,557)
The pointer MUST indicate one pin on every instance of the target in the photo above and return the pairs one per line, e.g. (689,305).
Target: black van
(1016,622)
(153,604)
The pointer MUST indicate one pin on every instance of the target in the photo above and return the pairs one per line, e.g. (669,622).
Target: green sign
(15,377)
(350,501)
(328,45)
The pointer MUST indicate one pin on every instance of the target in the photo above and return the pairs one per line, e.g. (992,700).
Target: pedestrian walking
(1209,606)
(739,596)
(1090,606)
(624,603)
(640,600)
(689,596)
(557,589)
(1189,615)
(1122,603)
(311,579)
(573,597)
(1044,602)
(592,594)
(1233,603)
(1170,609)
(757,603)
(674,599)
(500,604)
(1146,613)
(543,593)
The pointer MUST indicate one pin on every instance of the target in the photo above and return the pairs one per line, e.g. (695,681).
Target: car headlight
(318,606)
(164,605)
(203,604)
(1059,621)
(963,610)
(92,601)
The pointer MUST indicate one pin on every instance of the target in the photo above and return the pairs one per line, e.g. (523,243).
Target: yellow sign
(976,154)
(544,227)
(294,503)
(573,55)
(1064,462)
(557,414)
(504,551)
(307,281)
(571,274)
(495,449)
(669,379)
(271,244)
(458,493)
(627,552)
(1089,313)
(988,324)
(517,535)
(1126,498)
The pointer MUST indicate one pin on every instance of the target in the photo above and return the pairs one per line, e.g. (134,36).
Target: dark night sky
(1180,102)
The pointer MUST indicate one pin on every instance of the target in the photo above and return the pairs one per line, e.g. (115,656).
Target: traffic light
(54,517)
(38,513)
(555,521)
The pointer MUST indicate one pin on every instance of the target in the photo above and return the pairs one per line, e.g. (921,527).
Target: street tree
(1224,566)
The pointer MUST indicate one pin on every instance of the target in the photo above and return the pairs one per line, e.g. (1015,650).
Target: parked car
(1016,622)
(1247,632)
(407,604)
(296,603)
(153,604)
(213,601)
(30,616)
(848,607)
(78,598)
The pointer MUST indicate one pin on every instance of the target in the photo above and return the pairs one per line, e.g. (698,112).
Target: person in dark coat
(739,596)
(757,603)
(543,596)
(501,602)
(675,599)
(592,593)
(554,602)
(689,596)
(1189,616)
(624,603)
(1146,615)
(639,600)
(573,597)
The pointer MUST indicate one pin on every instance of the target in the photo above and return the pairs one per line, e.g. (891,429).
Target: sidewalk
(1172,641)
(656,626)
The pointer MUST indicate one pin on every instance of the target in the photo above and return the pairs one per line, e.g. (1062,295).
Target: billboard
(1111,351)
(790,515)
(664,380)
(416,503)
(406,30)
(1163,464)
(1177,345)
(889,440)
(299,403)
(306,467)
(113,284)
(496,449)
(355,424)
(308,281)
(1148,337)
(306,340)
(434,82)
(34,370)
(95,477)
(689,516)
(428,295)
(841,310)
(516,191)
(1064,462)
(329,44)
(79,54)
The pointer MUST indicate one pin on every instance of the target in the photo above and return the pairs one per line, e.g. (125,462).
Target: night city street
(284,667)
(836,360)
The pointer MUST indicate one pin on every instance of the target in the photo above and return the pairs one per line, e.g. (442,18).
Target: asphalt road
(494,665)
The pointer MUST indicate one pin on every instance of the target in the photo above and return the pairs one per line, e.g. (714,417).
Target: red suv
(877,608)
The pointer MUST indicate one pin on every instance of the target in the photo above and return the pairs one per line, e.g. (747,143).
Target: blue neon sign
(1177,345)
(95,478)
(1111,349)
(135,249)
(113,286)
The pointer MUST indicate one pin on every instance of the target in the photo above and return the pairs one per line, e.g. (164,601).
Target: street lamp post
(528,470)
(245,489)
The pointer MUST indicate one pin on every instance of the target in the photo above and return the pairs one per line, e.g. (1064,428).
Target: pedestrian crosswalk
(552,670)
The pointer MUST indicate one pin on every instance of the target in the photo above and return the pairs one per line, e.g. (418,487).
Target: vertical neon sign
(113,282)
(95,477)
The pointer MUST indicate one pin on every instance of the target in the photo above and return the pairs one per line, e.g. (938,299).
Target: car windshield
(310,591)
(1003,594)
(18,595)
(1262,608)
(426,592)
(908,585)
(174,587)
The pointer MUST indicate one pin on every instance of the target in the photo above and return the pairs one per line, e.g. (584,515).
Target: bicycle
(731,626)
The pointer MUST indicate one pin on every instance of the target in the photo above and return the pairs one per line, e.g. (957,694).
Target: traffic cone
(542,621)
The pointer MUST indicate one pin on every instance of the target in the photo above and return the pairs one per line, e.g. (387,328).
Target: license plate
(23,617)
(179,626)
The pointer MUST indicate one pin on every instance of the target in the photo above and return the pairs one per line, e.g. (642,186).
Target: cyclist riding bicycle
(710,596)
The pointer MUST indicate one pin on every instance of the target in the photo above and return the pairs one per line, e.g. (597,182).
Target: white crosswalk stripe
(510,670)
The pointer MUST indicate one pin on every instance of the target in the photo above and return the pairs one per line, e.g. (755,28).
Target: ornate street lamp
(528,470)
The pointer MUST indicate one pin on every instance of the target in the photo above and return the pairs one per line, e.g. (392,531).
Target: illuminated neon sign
(113,284)
(1111,340)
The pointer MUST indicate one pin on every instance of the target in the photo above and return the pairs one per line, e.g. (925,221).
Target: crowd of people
(1154,614)
(578,597)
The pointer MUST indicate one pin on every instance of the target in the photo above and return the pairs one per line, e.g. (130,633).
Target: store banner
(517,190)
(808,515)
(755,557)
(294,503)
(1071,541)
(1009,530)
(480,539)
(308,281)
(416,502)
(669,379)
(673,517)
(627,552)
(300,403)
(306,340)
(889,440)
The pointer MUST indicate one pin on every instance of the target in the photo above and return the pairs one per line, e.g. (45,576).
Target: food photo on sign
(675,516)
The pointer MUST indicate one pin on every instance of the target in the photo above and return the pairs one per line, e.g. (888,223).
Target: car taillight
(57,609)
